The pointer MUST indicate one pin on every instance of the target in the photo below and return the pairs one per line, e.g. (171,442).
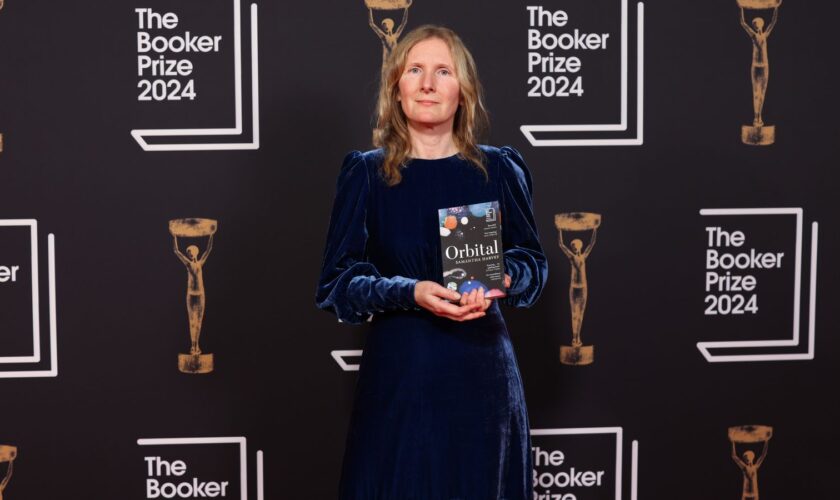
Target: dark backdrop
(68,101)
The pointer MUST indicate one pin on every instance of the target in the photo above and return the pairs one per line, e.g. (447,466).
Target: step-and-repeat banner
(167,173)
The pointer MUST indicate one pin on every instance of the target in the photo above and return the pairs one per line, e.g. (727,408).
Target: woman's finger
(443,308)
(485,303)
(472,307)
(445,293)
(427,293)
(465,298)
(466,317)
(471,316)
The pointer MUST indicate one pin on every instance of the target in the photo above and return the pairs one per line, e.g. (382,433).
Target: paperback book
(471,248)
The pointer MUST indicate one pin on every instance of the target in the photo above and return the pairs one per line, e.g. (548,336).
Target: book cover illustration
(471,248)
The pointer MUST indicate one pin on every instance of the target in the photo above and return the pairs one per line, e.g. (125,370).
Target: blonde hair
(391,131)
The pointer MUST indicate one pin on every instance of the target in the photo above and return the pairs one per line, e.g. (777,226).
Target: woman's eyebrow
(436,65)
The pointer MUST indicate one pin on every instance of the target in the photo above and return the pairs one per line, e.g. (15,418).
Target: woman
(439,411)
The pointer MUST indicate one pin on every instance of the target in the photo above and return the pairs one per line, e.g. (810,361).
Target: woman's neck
(431,142)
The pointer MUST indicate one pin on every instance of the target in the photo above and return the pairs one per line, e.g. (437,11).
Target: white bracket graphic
(36,308)
(619,453)
(704,347)
(140,135)
(529,130)
(243,458)
(338,356)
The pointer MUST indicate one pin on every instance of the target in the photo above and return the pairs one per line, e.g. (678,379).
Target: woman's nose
(427,84)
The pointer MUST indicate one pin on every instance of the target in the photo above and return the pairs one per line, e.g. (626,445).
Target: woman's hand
(476,298)
(434,298)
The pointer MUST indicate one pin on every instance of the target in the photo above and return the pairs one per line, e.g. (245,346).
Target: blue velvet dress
(439,412)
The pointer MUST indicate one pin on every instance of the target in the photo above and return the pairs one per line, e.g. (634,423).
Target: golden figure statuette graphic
(759,134)
(750,435)
(387,31)
(193,260)
(577,353)
(7,455)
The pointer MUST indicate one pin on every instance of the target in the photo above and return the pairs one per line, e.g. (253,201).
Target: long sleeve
(350,286)
(525,261)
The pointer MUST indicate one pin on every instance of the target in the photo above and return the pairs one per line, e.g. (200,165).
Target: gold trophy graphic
(759,134)
(387,32)
(577,353)
(750,435)
(195,361)
(7,453)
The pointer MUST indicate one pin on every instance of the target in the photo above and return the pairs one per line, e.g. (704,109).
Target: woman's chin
(431,123)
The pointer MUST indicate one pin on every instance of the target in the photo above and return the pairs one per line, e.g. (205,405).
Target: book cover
(471,248)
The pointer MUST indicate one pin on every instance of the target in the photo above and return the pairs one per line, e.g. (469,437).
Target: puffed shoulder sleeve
(350,286)
(525,261)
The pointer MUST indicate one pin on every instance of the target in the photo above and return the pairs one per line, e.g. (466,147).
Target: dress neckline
(445,158)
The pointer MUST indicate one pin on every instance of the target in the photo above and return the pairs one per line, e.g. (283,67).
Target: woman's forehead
(430,50)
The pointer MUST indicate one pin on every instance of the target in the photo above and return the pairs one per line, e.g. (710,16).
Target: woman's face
(429,88)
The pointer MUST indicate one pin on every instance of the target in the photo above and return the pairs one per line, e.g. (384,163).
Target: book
(471,248)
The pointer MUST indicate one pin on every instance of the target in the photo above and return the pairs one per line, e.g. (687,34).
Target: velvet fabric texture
(439,411)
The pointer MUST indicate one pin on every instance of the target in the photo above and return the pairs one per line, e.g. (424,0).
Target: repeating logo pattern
(558,53)
(179,468)
(193,259)
(577,353)
(759,134)
(20,288)
(8,454)
(580,463)
(155,87)
(745,437)
(387,29)
(733,277)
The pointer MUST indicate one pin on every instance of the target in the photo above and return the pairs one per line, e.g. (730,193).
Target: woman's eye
(414,70)
(444,71)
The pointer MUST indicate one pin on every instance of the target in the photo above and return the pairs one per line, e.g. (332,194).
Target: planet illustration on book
(470,285)
(479,209)
(451,222)
(456,273)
